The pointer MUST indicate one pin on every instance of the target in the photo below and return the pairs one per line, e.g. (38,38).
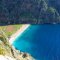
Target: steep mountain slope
(29,11)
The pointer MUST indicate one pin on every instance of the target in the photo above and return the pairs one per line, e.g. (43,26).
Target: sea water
(41,41)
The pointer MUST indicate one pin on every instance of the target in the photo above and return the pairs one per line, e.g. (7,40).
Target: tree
(52,15)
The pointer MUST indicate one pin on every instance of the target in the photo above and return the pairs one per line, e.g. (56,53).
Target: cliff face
(8,52)
(29,11)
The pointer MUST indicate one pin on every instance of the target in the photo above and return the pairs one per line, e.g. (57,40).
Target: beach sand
(18,33)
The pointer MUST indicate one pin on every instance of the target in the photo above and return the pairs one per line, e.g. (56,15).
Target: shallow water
(41,41)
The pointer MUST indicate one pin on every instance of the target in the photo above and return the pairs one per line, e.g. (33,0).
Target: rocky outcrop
(8,52)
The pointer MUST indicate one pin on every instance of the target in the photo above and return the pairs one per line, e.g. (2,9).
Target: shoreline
(18,33)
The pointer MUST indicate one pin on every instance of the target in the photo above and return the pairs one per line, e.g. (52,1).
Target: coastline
(18,33)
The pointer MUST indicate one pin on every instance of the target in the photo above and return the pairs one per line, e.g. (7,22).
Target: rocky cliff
(8,52)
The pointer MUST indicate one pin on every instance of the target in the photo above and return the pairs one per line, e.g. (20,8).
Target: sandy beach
(18,33)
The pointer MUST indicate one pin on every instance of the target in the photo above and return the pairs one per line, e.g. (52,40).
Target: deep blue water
(41,41)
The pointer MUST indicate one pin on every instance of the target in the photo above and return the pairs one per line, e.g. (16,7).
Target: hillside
(8,52)
(29,11)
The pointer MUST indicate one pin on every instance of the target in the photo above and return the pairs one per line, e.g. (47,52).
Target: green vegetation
(29,11)
(2,51)
(6,31)
(3,41)
(10,29)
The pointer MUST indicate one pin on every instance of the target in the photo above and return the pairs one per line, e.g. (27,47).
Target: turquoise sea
(41,41)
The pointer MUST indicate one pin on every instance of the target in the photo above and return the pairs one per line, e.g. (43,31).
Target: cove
(41,41)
